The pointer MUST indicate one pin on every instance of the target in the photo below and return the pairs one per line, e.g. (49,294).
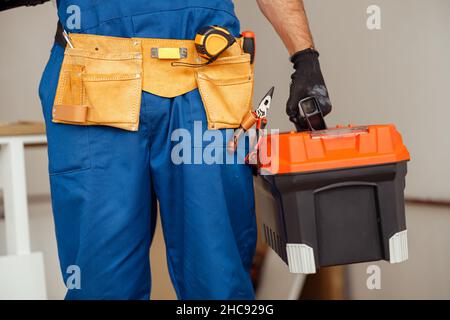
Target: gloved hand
(307,81)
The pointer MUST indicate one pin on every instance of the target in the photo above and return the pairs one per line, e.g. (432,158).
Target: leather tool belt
(102,79)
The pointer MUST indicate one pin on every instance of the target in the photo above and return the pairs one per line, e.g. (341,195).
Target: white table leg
(15,197)
(22,274)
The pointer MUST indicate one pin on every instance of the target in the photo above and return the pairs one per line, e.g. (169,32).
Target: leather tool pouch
(226,88)
(102,79)
(100,83)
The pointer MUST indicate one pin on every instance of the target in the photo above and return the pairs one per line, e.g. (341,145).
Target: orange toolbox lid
(330,149)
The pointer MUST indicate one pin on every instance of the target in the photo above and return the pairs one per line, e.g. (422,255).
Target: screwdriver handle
(249,44)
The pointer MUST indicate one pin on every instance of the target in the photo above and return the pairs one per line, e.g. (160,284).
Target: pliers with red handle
(258,117)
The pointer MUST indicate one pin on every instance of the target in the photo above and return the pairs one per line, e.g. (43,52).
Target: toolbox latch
(310,110)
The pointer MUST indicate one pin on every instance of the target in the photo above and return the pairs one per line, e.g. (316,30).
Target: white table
(21,271)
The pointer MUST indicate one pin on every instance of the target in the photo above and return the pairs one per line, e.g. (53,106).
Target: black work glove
(307,81)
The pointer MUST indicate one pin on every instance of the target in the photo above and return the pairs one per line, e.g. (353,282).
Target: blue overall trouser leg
(106,182)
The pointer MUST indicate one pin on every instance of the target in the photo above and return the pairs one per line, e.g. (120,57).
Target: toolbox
(334,196)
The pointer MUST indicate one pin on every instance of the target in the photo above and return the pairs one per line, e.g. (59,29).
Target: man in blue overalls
(106,182)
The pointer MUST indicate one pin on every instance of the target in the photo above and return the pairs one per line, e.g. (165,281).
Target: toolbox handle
(311,112)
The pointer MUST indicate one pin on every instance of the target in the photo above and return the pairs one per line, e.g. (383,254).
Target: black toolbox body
(337,215)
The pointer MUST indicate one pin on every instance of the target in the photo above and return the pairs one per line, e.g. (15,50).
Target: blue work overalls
(105,182)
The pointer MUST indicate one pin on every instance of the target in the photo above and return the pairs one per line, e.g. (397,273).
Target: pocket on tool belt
(70,88)
(97,88)
(226,88)
(113,98)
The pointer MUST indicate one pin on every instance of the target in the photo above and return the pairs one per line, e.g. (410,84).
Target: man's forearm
(289,19)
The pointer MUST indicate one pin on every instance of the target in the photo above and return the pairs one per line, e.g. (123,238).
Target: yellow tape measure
(212,41)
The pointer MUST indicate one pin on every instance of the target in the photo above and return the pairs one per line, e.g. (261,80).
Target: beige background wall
(425,275)
(398,74)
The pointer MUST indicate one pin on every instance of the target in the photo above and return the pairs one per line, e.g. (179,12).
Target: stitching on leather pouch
(115,56)
(205,96)
(62,87)
(136,101)
(90,77)
(220,82)
(81,85)
(245,58)
(138,91)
